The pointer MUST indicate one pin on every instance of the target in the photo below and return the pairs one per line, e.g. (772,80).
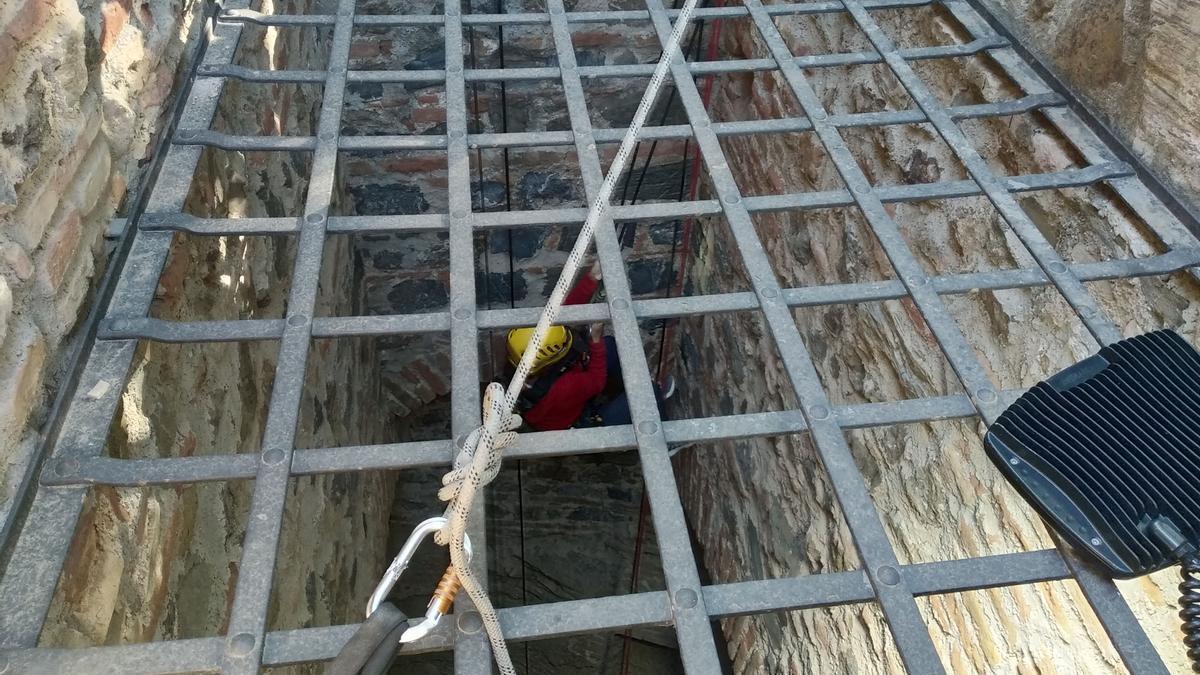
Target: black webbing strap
(372,648)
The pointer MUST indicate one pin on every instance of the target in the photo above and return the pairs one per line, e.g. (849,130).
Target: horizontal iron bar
(697,68)
(224,141)
(1010,569)
(561,619)
(628,212)
(407,455)
(535,18)
(160,330)
(531,139)
(244,74)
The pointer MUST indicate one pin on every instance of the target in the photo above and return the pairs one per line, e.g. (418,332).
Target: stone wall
(82,88)
(1133,61)
(162,563)
(935,490)
(409,272)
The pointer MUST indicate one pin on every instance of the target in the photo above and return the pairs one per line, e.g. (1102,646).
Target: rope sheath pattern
(478,461)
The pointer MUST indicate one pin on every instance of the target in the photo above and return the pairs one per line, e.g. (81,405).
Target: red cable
(694,184)
(694,180)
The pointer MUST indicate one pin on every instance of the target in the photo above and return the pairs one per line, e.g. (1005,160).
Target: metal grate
(76,462)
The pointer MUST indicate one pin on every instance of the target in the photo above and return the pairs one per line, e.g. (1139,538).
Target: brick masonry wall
(162,563)
(936,492)
(81,91)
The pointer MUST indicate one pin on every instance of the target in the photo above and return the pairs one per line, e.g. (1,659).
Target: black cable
(1189,606)
(693,41)
(372,648)
(693,46)
(662,325)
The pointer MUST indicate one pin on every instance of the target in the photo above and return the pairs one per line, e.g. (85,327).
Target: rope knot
(477,461)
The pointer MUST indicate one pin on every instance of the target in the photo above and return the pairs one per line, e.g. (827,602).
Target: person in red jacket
(568,384)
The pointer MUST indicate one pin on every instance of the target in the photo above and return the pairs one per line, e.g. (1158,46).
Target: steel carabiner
(443,595)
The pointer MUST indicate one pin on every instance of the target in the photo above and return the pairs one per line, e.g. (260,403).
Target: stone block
(366,91)
(58,252)
(28,224)
(114,14)
(21,363)
(525,242)
(495,288)
(92,178)
(365,49)
(420,164)
(6,305)
(492,192)
(431,115)
(29,18)
(413,295)
(382,199)
(585,39)
(116,187)
(647,276)
(59,317)
(16,261)
(544,187)
(51,183)
(664,234)
(437,381)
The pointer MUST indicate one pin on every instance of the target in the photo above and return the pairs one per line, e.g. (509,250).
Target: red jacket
(563,404)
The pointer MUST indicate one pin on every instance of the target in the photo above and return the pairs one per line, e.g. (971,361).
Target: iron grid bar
(562,619)
(826,199)
(697,68)
(76,460)
(40,547)
(874,550)
(472,652)
(1111,609)
(697,647)
(160,330)
(417,454)
(256,572)
(529,139)
(541,18)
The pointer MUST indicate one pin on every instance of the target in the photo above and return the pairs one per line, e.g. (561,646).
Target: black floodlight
(1108,451)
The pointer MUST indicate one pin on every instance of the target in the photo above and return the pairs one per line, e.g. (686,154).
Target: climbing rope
(478,460)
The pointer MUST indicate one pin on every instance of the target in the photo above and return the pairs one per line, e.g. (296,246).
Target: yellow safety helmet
(552,350)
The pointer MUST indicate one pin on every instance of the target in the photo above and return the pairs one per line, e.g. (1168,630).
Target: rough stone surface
(162,563)
(1134,61)
(936,493)
(82,88)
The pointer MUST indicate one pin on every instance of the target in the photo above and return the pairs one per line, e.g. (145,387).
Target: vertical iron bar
(696,645)
(256,573)
(472,653)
